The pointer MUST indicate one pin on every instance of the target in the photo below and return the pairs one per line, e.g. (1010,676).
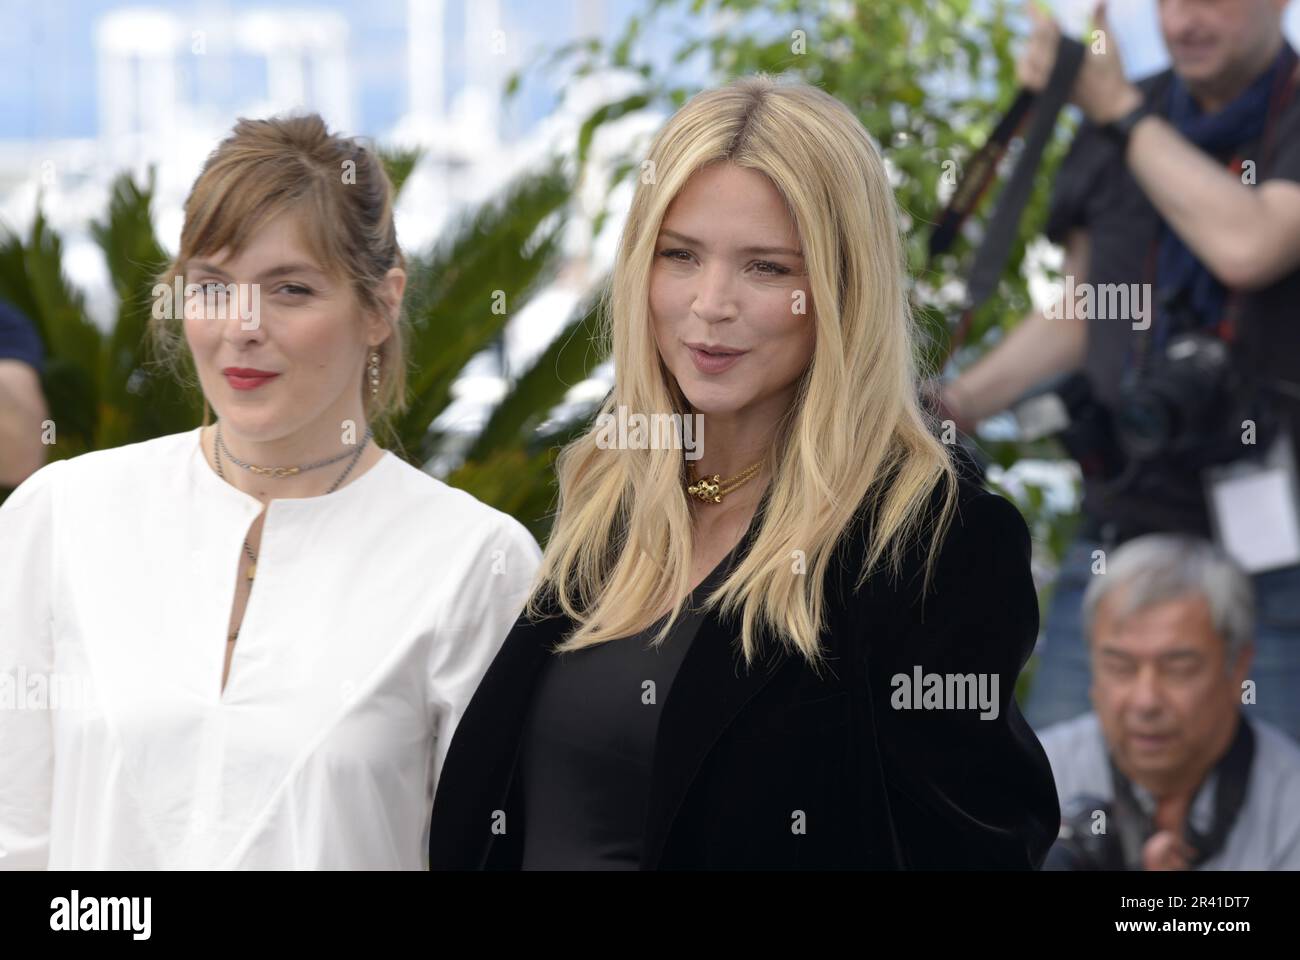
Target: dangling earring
(374,375)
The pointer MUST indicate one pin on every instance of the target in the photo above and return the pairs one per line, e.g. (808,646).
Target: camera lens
(1147,425)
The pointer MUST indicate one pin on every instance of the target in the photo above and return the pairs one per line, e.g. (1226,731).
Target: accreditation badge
(1254,507)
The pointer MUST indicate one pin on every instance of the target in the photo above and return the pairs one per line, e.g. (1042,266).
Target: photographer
(1169,772)
(22,404)
(1181,189)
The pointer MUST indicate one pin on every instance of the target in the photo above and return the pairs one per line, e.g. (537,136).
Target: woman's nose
(715,293)
(240,315)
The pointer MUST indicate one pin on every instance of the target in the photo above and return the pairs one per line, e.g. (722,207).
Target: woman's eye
(674,255)
(294,289)
(770,269)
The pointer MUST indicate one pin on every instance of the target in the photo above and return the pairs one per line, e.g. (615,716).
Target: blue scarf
(1241,122)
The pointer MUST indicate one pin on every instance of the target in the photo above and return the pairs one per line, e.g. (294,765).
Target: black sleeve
(19,339)
(968,788)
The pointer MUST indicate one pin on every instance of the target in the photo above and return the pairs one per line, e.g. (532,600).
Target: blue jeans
(1059,688)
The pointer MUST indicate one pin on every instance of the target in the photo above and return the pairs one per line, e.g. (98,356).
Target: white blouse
(375,612)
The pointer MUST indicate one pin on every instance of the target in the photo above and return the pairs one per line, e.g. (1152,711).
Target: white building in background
(464,160)
(156,71)
(141,52)
(135,54)
(306,55)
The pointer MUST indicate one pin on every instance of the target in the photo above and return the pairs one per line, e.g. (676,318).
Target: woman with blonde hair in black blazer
(799,650)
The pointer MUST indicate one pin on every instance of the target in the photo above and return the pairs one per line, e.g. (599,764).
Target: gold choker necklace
(713,489)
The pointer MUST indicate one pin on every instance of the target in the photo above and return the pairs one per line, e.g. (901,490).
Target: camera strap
(1037,111)
(1232,771)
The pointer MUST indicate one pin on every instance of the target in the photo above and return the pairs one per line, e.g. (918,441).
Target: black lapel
(712,684)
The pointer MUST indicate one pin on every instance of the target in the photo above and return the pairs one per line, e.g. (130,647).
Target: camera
(1079,846)
(1187,408)
(1191,405)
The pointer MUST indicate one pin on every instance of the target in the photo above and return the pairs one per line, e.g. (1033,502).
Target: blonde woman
(730,662)
(247,645)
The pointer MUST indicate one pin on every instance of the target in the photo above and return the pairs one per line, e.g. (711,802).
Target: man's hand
(1101,90)
(1166,850)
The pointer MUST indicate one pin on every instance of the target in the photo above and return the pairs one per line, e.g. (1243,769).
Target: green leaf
(399,164)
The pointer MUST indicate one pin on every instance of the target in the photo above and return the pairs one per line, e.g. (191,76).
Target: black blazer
(740,753)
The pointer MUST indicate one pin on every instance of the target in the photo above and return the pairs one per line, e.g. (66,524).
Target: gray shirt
(1266,835)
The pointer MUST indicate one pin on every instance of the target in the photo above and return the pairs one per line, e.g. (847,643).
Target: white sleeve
(494,587)
(26,655)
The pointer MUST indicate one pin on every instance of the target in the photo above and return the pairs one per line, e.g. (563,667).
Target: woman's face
(298,361)
(729,275)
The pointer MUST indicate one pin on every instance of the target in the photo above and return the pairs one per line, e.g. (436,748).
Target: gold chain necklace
(713,489)
(218,447)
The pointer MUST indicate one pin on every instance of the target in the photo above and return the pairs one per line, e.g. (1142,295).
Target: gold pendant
(707,489)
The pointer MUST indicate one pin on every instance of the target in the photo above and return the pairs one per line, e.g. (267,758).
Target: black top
(588,744)
(1096,191)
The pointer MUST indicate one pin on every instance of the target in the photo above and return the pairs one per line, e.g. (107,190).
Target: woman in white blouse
(247,645)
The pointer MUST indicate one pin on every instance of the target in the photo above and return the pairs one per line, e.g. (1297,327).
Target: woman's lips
(713,363)
(248,382)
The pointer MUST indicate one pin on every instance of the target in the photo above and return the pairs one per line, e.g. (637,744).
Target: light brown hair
(340,190)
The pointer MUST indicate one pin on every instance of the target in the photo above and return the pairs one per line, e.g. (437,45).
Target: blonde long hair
(855,433)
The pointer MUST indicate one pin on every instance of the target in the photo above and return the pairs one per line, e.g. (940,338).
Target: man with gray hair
(1172,770)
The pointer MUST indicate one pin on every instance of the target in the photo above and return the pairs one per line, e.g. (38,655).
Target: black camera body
(1187,408)
(1079,846)
(1191,405)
